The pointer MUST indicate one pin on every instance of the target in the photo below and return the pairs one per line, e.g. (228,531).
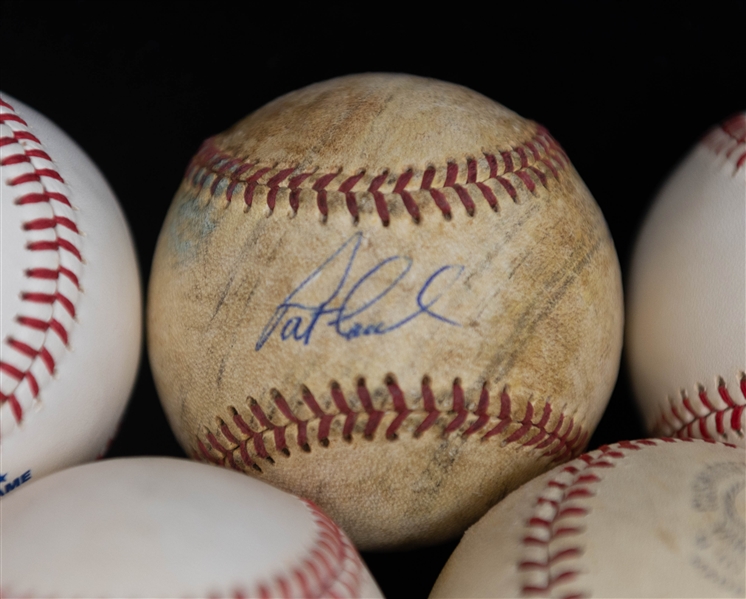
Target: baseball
(686,337)
(651,518)
(163,527)
(71,313)
(390,295)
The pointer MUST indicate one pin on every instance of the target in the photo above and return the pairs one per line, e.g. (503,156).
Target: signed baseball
(390,295)
(70,318)
(162,527)
(686,339)
(651,518)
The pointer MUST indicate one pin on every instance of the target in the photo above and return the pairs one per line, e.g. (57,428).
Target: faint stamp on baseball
(719,497)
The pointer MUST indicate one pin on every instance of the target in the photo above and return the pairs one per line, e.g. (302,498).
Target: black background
(626,89)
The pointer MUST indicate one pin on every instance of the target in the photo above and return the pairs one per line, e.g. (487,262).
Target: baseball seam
(40,337)
(247,445)
(729,140)
(544,571)
(490,176)
(333,568)
(704,415)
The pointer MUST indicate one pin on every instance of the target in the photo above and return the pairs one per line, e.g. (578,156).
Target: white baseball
(70,324)
(651,518)
(686,310)
(163,527)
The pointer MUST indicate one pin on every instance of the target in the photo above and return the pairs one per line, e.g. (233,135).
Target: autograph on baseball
(362,310)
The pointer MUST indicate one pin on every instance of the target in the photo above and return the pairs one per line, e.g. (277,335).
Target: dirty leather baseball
(387,294)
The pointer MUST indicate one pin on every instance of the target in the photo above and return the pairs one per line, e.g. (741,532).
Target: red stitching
(509,189)
(551,529)
(50,298)
(381,206)
(729,139)
(530,163)
(693,421)
(15,133)
(253,440)
(320,188)
(346,188)
(406,197)
(274,186)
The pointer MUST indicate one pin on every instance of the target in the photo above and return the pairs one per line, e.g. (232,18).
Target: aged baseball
(71,312)
(686,337)
(651,518)
(162,527)
(390,295)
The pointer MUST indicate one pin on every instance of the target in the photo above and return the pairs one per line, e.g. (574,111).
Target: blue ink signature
(348,316)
